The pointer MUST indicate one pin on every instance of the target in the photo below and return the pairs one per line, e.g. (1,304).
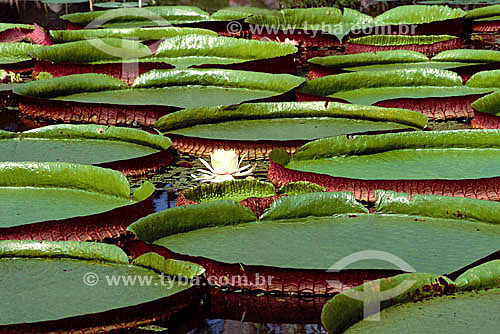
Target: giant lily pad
(316,24)
(257,128)
(12,53)
(184,50)
(425,90)
(487,108)
(187,51)
(429,45)
(411,162)
(136,17)
(124,149)
(67,201)
(471,62)
(466,304)
(485,19)
(122,58)
(239,13)
(142,34)
(45,291)
(152,95)
(419,14)
(483,12)
(335,221)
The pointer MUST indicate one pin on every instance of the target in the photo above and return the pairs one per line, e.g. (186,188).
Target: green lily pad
(235,190)
(468,303)
(11,53)
(284,129)
(390,40)
(468,56)
(59,190)
(370,58)
(460,313)
(175,88)
(186,51)
(402,66)
(189,118)
(483,12)
(488,104)
(332,84)
(403,156)
(278,121)
(93,51)
(368,96)
(82,144)
(323,229)
(239,13)
(329,20)
(58,281)
(155,15)
(419,14)
(63,36)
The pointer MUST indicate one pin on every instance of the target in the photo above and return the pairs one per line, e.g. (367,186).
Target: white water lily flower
(225,167)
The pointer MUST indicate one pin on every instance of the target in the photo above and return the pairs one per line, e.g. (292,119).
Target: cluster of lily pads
(354,165)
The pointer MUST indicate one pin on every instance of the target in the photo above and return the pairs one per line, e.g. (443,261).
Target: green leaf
(11,53)
(370,58)
(85,144)
(484,276)
(67,85)
(93,131)
(485,79)
(440,65)
(419,14)
(459,312)
(144,191)
(468,56)
(285,129)
(299,18)
(169,267)
(319,110)
(488,104)
(317,204)
(47,282)
(438,206)
(328,20)
(63,36)
(390,40)
(319,242)
(218,77)
(187,218)
(403,156)
(369,96)
(236,190)
(54,191)
(185,51)
(372,79)
(343,311)
(64,175)
(239,13)
(155,15)
(93,51)
(56,249)
(483,12)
